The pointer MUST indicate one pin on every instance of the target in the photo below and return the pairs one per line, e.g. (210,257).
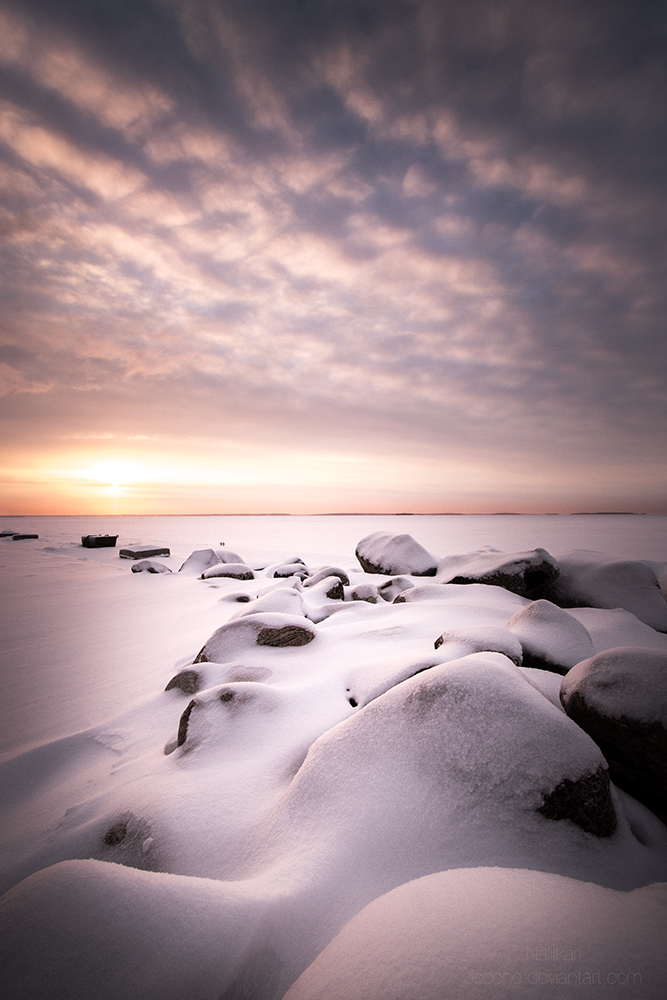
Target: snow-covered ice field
(341,795)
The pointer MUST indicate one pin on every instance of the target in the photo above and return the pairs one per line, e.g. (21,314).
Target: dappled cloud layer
(279,241)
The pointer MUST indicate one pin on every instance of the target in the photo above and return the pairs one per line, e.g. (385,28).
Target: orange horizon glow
(266,481)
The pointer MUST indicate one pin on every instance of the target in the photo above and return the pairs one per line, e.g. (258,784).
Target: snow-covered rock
(325,571)
(588,578)
(480,933)
(390,590)
(286,570)
(523,573)
(233,570)
(149,566)
(458,642)
(240,636)
(550,637)
(200,560)
(364,592)
(619,698)
(382,552)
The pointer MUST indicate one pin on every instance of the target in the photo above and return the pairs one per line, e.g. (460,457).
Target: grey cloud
(442,224)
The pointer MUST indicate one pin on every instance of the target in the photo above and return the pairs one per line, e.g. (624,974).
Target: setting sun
(114,473)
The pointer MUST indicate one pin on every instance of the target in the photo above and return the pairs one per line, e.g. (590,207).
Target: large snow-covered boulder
(619,698)
(550,637)
(390,555)
(590,579)
(523,573)
(482,933)
(200,560)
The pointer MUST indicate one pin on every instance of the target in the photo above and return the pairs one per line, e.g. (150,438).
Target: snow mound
(233,570)
(489,932)
(619,697)
(284,600)
(455,643)
(149,566)
(609,629)
(87,929)
(242,634)
(550,637)
(382,552)
(587,578)
(522,573)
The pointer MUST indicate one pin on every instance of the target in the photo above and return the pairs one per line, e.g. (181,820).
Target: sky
(317,256)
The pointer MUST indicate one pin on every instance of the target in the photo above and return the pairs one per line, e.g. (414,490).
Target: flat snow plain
(354,816)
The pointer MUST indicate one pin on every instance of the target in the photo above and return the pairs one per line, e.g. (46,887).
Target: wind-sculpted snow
(587,578)
(496,932)
(334,751)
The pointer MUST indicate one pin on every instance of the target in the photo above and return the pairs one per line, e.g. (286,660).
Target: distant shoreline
(351,513)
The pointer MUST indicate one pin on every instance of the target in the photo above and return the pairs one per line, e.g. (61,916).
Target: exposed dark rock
(129,842)
(183,724)
(541,663)
(187,681)
(289,635)
(586,802)
(116,835)
(336,592)
(522,573)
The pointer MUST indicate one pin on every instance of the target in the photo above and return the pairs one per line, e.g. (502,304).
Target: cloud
(427,231)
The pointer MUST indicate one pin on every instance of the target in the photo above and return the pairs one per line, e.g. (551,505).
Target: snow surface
(211,840)
(493,932)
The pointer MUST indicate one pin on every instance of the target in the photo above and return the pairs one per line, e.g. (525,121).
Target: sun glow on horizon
(114,473)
